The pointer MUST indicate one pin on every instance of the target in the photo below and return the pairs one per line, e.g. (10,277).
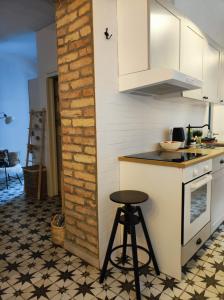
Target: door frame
(52,149)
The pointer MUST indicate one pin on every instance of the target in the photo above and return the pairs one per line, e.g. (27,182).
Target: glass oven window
(198,202)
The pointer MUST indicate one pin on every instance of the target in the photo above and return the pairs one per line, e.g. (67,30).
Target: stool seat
(129,197)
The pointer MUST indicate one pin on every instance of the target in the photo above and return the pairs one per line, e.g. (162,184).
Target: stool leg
(110,245)
(148,240)
(125,238)
(6,178)
(17,176)
(135,262)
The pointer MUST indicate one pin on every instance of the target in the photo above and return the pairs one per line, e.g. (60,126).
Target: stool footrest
(117,265)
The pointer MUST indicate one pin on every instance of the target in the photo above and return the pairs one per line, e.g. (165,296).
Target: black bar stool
(129,216)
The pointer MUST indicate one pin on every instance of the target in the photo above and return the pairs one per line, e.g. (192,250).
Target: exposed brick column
(77,100)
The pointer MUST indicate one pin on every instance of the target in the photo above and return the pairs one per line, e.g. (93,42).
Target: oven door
(196,206)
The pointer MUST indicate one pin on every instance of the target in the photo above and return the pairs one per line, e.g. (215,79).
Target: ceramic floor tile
(196,292)
(214,268)
(108,295)
(87,289)
(63,292)
(32,267)
(7,293)
(168,285)
(88,271)
(39,290)
(194,265)
(211,282)
(124,287)
(204,254)
(155,295)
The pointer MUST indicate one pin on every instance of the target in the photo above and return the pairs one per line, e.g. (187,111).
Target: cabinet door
(164,37)
(191,56)
(133,52)
(211,73)
(217,201)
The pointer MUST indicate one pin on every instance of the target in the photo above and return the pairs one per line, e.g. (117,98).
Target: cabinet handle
(222,161)
(221,101)
(205,98)
(199,241)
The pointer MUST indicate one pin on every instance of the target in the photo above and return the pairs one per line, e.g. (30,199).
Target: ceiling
(207,14)
(23,16)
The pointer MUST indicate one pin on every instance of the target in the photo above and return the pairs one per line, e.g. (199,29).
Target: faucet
(189,127)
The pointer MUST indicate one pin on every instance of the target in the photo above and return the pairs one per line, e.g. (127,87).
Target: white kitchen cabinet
(211,72)
(132,36)
(217,204)
(153,35)
(148,36)
(164,37)
(221,79)
(162,212)
(217,199)
(192,47)
(191,55)
(170,208)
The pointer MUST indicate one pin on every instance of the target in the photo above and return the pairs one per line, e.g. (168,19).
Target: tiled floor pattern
(31,267)
(15,189)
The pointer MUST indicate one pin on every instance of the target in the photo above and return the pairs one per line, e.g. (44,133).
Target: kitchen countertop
(210,153)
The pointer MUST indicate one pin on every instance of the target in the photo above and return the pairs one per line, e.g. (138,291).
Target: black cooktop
(167,156)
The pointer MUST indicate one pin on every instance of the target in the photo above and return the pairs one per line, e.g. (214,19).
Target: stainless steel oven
(196,206)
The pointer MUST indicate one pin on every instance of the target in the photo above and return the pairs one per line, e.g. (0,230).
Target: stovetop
(167,156)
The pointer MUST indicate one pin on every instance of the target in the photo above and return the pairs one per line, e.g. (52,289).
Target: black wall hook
(107,34)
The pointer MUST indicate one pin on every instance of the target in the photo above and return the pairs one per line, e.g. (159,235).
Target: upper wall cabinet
(148,37)
(161,52)
(192,48)
(191,55)
(212,64)
(164,37)
(133,35)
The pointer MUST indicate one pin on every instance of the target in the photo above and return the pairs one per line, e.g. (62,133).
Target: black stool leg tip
(102,277)
(157,272)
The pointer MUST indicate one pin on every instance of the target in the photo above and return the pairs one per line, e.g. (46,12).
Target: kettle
(178,134)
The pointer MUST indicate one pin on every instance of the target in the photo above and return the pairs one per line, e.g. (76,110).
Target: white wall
(47,50)
(125,124)
(17,66)
(207,14)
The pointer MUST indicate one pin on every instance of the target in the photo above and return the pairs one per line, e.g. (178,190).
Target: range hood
(157,82)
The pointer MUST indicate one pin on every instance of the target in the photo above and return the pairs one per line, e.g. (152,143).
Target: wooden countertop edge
(182,165)
(152,162)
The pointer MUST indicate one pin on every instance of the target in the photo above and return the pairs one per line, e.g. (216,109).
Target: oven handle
(201,182)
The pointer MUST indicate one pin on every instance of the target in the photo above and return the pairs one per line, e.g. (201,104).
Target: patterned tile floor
(31,267)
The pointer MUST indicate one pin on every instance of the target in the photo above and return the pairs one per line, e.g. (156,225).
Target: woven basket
(57,233)
(31,174)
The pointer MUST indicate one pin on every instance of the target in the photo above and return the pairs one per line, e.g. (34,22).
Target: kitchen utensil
(170,145)
(178,134)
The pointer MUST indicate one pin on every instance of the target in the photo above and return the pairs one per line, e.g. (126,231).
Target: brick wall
(76,90)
